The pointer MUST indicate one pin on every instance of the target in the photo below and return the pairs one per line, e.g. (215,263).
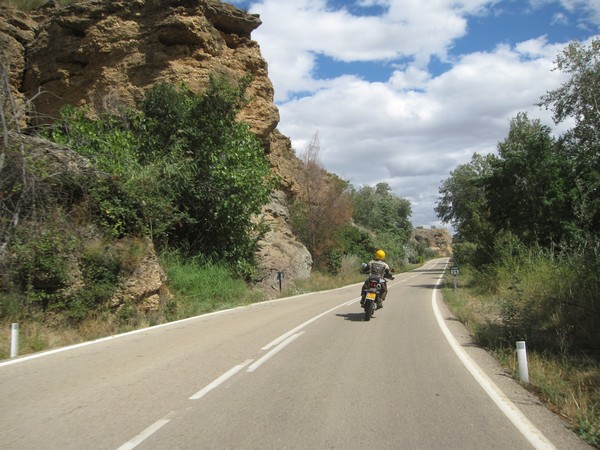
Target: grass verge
(567,383)
(197,287)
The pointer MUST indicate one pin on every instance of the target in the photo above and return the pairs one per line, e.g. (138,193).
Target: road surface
(304,372)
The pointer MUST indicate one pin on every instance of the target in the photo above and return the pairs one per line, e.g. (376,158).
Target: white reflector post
(522,360)
(14,340)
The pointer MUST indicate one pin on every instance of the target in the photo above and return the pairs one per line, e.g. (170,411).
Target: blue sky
(404,91)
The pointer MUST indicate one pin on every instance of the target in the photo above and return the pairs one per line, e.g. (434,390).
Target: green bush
(225,178)
(182,170)
(40,264)
(550,300)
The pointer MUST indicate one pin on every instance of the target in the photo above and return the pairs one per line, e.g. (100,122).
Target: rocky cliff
(437,240)
(102,51)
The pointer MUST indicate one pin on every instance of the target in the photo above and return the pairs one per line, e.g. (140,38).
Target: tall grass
(348,273)
(200,287)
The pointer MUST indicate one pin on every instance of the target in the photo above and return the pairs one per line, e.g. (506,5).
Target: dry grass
(35,336)
(349,273)
(569,384)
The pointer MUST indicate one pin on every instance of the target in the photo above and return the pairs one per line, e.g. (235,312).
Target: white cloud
(413,129)
(372,132)
(294,31)
(591,8)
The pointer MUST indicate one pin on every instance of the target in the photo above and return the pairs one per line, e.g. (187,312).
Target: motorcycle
(371,293)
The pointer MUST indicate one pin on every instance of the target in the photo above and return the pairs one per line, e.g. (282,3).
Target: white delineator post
(14,340)
(522,360)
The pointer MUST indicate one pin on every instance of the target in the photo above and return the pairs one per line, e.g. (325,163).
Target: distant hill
(438,240)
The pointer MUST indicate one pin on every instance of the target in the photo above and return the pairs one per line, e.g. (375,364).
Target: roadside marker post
(522,362)
(14,340)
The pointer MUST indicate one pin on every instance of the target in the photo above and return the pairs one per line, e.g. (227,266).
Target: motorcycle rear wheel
(369,305)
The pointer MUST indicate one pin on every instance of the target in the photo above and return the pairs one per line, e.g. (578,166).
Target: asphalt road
(299,373)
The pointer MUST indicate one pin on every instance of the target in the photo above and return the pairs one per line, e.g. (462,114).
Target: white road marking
(302,325)
(280,347)
(144,435)
(227,375)
(527,429)
(29,357)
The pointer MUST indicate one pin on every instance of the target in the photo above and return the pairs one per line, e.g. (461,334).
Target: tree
(463,202)
(528,187)
(579,99)
(322,207)
(223,179)
(183,165)
(379,209)
(387,216)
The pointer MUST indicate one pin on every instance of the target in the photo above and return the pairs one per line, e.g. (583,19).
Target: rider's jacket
(378,268)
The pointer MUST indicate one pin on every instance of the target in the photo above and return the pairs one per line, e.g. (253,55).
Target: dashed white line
(280,347)
(202,392)
(144,435)
(302,325)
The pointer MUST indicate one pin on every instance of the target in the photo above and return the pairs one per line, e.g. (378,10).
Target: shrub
(40,263)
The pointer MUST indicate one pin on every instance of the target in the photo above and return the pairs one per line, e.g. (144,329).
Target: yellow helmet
(380,254)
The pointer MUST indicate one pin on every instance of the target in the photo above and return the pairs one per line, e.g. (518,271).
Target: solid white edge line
(527,429)
(162,325)
(231,372)
(148,329)
(268,356)
(144,435)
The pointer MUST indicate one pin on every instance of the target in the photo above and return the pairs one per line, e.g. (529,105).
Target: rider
(378,267)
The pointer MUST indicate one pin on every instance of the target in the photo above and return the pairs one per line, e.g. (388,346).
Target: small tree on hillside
(323,206)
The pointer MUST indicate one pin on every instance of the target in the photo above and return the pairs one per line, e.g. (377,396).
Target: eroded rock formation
(103,51)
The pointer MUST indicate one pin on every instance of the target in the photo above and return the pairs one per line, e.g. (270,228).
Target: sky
(404,91)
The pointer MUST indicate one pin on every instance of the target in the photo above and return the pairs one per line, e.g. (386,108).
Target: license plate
(371,295)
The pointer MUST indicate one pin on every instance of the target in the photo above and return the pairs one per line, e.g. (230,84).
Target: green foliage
(323,213)
(386,215)
(463,201)
(40,263)
(379,209)
(106,141)
(320,210)
(394,249)
(550,300)
(588,426)
(562,375)
(182,170)
(529,218)
(528,185)
(577,100)
(201,286)
(578,97)
(355,241)
(224,179)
